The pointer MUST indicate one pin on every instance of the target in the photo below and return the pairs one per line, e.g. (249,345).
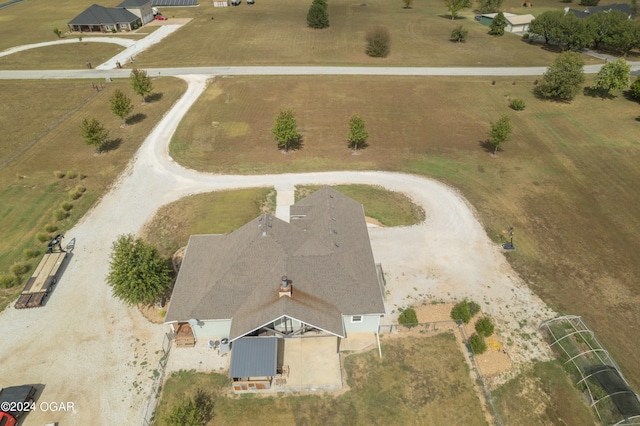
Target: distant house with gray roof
(127,16)
(313,276)
(592,10)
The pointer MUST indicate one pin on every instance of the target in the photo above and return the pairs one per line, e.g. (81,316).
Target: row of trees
(285,132)
(93,131)
(613,30)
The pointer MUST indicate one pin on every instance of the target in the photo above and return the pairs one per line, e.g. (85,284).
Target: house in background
(270,280)
(515,23)
(127,16)
(592,10)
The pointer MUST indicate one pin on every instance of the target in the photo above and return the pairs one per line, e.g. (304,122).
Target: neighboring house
(515,23)
(624,8)
(314,276)
(105,19)
(140,8)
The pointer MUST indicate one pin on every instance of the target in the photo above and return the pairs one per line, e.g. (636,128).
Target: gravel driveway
(87,348)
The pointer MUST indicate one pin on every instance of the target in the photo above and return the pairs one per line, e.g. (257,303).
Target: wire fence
(158,379)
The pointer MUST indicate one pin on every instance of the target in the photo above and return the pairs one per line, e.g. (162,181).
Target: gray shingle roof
(132,4)
(99,15)
(325,251)
(592,10)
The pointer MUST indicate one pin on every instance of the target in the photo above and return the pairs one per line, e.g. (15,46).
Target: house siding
(369,323)
(213,329)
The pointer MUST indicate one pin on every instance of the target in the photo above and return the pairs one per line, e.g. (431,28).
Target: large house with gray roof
(312,276)
(127,16)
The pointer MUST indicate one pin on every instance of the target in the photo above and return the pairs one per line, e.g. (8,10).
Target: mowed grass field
(567,180)
(74,55)
(275,33)
(41,134)
(399,389)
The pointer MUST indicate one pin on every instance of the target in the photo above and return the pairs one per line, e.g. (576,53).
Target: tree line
(611,30)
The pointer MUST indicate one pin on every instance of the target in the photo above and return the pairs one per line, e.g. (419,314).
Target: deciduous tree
(601,25)
(612,76)
(137,273)
(563,79)
(58,32)
(499,132)
(121,105)
(455,6)
(490,6)
(546,24)
(285,130)
(572,32)
(635,89)
(407,4)
(94,133)
(141,83)
(624,36)
(357,135)
(196,411)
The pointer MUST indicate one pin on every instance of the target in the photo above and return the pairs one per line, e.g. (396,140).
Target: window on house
(356,318)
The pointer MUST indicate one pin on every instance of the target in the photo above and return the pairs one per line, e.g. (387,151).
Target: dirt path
(89,349)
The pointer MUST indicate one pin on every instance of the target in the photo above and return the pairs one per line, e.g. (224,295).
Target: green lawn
(63,56)
(400,389)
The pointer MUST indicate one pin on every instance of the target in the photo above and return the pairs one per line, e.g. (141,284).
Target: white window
(356,318)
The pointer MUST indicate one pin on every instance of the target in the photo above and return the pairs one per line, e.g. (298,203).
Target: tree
(137,273)
(498,24)
(317,17)
(601,25)
(94,133)
(357,135)
(459,34)
(546,24)
(195,411)
(499,132)
(612,76)
(121,105)
(285,130)
(58,32)
(572,32)
(141,83)
(478,345)
(378,42)
(563,79)
(589,2)
(624,36)
(407,4)
(463,311)
(455,6)
(490,6)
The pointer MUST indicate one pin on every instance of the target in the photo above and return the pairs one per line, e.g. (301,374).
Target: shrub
(66,206)
(74,194)
(408,317)
(82,176)
(19,268)
(58,174)
(485,327)
(72,174)
(525,36)
(60,214)
(378,42)
(517,104)
(50,228)
(474,308)
(80,189)
(42,237)
(8,281)
(635,89)
(459,34)
(30,253)
(478,345)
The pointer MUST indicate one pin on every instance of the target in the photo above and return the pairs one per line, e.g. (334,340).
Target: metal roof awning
(254,357)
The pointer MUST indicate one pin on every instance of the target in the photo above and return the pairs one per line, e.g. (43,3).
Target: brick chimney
(285,287)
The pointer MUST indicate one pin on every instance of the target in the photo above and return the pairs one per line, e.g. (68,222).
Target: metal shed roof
(254,357)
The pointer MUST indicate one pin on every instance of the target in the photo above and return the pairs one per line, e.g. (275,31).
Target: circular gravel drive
(88,348)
